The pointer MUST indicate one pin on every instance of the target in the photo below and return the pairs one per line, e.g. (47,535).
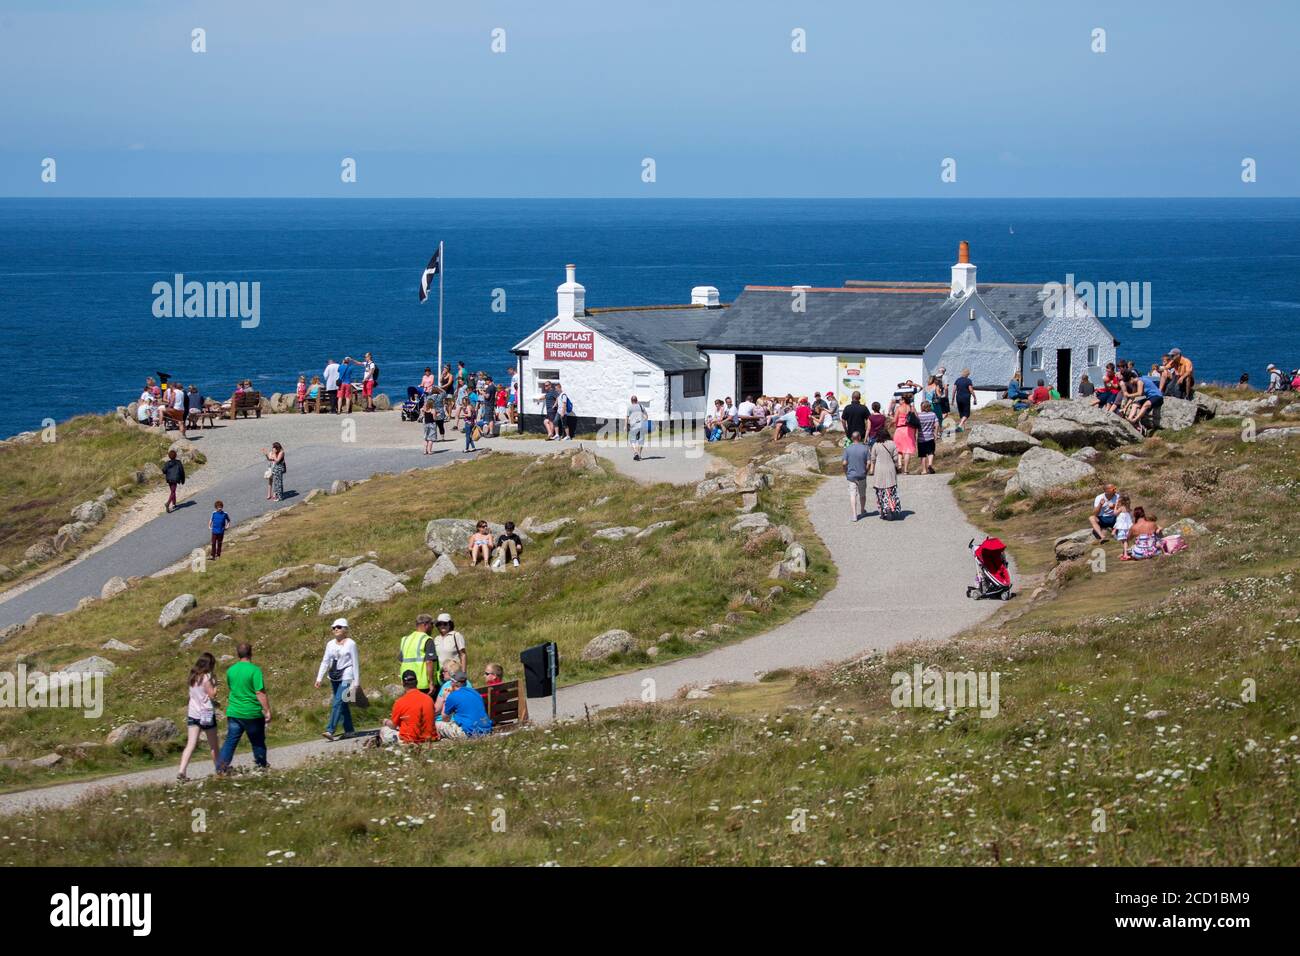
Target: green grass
(42,481)
(1121,695)
(681,579)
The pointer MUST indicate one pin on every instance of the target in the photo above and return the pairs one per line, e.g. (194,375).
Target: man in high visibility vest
(418,653)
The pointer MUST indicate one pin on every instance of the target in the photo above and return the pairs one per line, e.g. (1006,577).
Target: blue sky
(586,90)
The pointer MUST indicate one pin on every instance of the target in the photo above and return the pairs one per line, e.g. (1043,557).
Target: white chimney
(963,273)
(705,295)
(570,298)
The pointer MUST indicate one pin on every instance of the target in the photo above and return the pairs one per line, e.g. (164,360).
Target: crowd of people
(340,386)
(474,403)
(438,700)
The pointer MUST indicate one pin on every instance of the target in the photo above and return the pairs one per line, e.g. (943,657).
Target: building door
(749,377)
(1063,372)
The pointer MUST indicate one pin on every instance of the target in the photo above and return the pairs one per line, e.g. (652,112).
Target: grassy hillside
(1122,736)
(680,579)
(42,481)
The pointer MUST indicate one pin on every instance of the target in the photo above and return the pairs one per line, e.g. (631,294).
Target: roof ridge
(854,290)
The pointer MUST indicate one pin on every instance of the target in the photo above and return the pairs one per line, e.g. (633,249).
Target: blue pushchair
(413,404)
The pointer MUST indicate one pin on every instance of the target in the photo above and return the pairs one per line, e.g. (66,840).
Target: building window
(692,384)
(1092,356)
(1036,359)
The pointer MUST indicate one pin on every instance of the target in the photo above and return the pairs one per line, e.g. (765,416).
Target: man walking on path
(418,652)
(637,417)
(963,394)
(854,416)
(174,472)
(856,458)
(248,710)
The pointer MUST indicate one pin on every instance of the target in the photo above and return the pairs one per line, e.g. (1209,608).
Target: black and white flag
(431,270)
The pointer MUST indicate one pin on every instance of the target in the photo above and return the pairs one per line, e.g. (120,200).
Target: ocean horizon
(339,277)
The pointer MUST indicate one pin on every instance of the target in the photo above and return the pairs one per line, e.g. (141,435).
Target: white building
(866,336)
(602,357)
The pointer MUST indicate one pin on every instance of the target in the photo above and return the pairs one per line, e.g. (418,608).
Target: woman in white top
(201,714)
(342,665)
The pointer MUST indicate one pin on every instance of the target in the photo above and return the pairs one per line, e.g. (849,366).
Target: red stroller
(992,577)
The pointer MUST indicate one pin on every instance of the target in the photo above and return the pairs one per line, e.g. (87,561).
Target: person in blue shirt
(1152,399)
(463,712)
(218,524)
(346,376)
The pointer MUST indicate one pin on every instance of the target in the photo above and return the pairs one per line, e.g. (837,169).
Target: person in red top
(492,674)
(1040,394)
(803,415)
(412,719)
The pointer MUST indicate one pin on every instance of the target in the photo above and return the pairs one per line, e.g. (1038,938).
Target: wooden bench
(246,402)
(506,704)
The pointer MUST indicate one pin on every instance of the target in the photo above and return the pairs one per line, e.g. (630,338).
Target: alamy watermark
(210,300)
(1105,300)
(947,690)
(21,689)
(686,430)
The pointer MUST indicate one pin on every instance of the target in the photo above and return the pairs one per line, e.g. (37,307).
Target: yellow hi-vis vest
(413,658)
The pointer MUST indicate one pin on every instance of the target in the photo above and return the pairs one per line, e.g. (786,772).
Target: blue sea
(340,277)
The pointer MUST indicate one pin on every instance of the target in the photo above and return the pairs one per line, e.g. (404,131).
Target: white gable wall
(599,388)
(1068,328)
(983,345)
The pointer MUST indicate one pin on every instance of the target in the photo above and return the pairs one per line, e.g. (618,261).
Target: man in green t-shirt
(248,710)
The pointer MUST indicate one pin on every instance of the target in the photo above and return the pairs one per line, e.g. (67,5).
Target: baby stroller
(992,577)
(414,403)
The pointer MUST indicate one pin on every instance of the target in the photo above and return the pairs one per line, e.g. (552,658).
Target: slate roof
(880,317)
(663,336)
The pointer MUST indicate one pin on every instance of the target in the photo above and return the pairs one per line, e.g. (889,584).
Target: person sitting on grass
(480,545)
(508,546)
(412,720)
(1145,536)
(1103,514)
(463,712)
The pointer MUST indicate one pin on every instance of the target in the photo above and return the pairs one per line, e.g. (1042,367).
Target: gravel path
(919,564)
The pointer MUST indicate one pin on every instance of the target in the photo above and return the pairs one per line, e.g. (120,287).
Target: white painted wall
(982,345)
(599,388)
(803,373)
(681,405)
(1070,327)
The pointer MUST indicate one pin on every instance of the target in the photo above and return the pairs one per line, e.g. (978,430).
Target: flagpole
(442,267)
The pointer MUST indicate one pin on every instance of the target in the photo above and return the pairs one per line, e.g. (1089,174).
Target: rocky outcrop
(440,569)
(532,525)
(608,644)
(1177,414)
(89,665)
(1000,439)
(754,523)
(798,460)
(286,600)
(616,534)
(189,637)
(1042,469)
(1278,434)
(113,644)
(365,584)
(560,560)
(1073,423)
(794,562)
(113,586)
(650,529)
(177,608)
(89,512)
(160,730)
(1075,545)
(981,454)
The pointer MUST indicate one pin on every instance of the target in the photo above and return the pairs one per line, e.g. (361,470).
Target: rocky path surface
(898,581)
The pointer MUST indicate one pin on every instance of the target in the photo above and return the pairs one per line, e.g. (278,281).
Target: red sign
(569,346)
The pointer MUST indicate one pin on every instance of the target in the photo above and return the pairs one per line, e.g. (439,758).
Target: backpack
(568,405)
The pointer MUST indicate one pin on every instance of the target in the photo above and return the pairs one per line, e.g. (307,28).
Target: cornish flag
(431,270)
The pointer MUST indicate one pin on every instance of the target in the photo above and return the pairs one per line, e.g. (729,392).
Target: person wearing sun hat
(450,643)
(342,665)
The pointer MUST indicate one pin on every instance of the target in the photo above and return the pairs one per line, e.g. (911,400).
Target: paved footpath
(898,581)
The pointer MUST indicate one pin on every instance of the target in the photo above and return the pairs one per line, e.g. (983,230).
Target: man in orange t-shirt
(412,718)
